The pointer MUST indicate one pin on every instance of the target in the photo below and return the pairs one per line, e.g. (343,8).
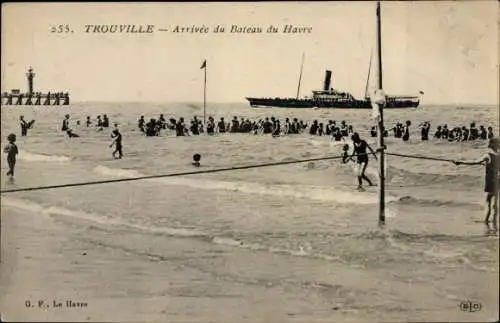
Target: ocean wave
(400,246)
(409,178)
(31,157)
(437,237)
(27,205)
(410,200)
(117,172)
(407,237)
(432,247)
(320,193)
(299,252)
(396,239)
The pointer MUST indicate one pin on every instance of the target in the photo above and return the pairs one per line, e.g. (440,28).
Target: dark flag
(204,64)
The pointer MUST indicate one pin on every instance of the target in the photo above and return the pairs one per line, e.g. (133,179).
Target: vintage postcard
(250,162)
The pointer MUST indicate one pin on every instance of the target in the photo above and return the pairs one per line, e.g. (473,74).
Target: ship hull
(310,103)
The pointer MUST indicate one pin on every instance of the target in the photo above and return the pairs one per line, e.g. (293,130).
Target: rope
(434,158)
(422,157)
(209,171)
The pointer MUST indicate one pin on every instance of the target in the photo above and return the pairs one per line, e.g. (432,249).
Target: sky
(449,50)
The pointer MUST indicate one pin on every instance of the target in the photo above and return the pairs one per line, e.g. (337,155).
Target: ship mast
(368,78)
(300,76)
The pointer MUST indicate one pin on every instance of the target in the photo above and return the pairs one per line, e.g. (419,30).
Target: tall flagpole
(205,97)
(381,191)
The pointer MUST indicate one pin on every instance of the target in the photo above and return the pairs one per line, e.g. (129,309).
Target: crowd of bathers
(275,127)
(463,133)
(458,133)
(272,126)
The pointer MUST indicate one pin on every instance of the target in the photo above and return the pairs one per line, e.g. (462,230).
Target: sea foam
(31,157)
(320,193)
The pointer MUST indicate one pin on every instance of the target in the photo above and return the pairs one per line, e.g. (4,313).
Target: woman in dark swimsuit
(491,161)
(360,147)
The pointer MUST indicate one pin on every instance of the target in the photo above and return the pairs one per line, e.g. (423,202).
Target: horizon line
(244,102)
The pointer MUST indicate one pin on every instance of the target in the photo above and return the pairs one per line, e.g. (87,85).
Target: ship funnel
(328,77)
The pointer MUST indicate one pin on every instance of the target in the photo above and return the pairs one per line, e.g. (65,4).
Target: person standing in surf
(406,131)
(24,126)
(491,161)
(65,123)
(12,152)
(360,147)
(210,126)
(118,143)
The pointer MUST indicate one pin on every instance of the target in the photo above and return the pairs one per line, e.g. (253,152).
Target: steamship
(329,97)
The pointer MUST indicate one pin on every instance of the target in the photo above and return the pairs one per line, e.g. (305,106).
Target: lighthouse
(30,75)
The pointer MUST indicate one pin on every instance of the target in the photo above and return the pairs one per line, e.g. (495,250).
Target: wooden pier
(58,98)
(15,97)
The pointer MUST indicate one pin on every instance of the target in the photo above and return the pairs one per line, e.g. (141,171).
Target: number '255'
(59,29)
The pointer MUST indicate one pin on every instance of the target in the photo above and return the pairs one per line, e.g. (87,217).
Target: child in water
(11,151)
(345,156)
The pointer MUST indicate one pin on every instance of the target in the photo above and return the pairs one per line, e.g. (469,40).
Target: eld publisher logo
(471,307)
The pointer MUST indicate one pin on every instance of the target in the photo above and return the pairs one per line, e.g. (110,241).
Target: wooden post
(381,187)
(205,99)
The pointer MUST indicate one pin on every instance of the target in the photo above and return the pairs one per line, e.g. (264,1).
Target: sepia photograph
(281,161)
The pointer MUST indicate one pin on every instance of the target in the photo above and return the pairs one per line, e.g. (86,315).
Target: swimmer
(406,131)
(424,132)
(196,160)
(118,143)
(210,126)
(65,123)
(221,125)
(162,121)
(336,135)
(491,161)
(24,126)
(360,147)
(276,129)
(12,152)
(490,133)
(141,123)
(180,129)
(105,121)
